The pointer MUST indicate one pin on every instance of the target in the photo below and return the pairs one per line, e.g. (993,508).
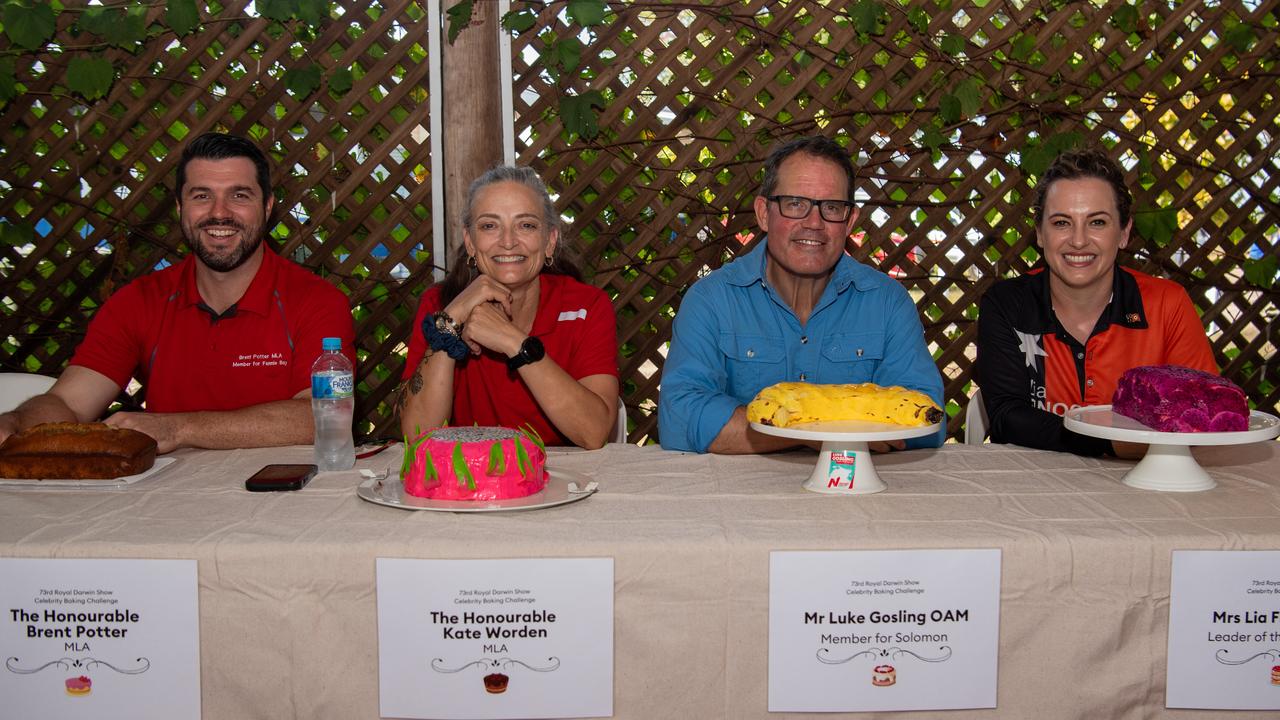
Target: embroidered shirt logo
(579,314)
(1030,347)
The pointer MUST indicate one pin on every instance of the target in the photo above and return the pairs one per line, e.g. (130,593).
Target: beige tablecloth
(288,618)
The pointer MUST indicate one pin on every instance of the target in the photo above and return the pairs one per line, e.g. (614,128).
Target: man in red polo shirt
(223,341)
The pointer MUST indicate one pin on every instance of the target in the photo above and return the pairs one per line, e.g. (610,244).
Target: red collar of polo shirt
(256,299)
(548,304)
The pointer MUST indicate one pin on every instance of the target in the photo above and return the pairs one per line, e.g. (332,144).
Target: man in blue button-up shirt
(795,308)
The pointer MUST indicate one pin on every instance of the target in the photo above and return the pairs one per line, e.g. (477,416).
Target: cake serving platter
(563,487)
(160,464)
(844,464)
(1168,464)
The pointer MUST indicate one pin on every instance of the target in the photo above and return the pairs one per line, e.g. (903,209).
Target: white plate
(848,430)
(1100,421)
(388,491)
(160,464)
(1168,464)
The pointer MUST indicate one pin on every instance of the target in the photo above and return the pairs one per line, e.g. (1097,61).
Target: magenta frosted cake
(474,463)
(1171,398)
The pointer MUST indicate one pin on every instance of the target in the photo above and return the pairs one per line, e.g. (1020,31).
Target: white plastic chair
(975,420)
(15,388)
(620,430)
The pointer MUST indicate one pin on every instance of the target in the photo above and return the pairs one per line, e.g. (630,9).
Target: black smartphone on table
(280,477)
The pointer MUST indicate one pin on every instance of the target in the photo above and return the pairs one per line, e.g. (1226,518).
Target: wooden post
(472,111)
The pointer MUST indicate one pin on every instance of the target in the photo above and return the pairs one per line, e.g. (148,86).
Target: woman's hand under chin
(490,327)
(483,290)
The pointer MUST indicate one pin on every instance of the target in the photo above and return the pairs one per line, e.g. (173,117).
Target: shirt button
(1079,356)
(804,339)
(1089,382)
(802,377)
(751,353)
(859,352)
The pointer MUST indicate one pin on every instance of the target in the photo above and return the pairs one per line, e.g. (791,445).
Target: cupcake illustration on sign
(1224,657)
(81,685)
(884,674)
(496,678)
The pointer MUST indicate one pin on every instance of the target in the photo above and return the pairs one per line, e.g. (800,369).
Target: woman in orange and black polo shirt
(1060,336)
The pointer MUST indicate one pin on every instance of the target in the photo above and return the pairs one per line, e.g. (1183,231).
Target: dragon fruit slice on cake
(1171,398)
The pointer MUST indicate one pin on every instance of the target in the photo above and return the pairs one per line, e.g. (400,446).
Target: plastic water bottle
(332,405)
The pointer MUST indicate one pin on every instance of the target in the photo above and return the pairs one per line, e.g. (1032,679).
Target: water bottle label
(331,386)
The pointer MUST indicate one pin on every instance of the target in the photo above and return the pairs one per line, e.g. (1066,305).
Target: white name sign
(883,630)
(99,638)
(529,638)
(1224,630)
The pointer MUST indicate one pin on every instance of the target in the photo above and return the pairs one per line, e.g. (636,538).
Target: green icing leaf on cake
(430,472)
(534,437)
(460,469)
(408,459)
(497,460)
(522,459)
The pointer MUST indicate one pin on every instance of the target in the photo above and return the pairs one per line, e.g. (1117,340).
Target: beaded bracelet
(452,345)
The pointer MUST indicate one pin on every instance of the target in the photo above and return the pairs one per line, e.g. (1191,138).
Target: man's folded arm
(280,422)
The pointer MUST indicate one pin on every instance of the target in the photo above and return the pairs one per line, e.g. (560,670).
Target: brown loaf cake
(77,451)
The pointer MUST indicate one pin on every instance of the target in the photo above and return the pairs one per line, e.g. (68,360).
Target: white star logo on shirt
(1030,347)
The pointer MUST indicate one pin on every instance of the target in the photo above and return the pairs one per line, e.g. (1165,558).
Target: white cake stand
(1168,464)
(844,464)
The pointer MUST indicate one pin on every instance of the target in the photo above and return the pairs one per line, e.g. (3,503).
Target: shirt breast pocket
(752,362)
(851,357)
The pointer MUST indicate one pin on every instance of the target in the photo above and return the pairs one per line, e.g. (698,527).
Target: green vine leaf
(8,84)
(952,44)
(340,82)
(1261,272)
(278,10)
(1023,47)
(1157,225)
(16,235)
(459,18)
(29,26)
(116,26)
(566,54)
(587,12)
(517,21)
(932,137)
(1240,37)
(90,77)
(919,19)
(949,108)
(311,12)
(181,16)
(868,17)
(969,93)
(577,114)
(1125,18)
(303,80)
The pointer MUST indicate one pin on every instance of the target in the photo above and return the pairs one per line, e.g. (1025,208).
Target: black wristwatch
(531,351)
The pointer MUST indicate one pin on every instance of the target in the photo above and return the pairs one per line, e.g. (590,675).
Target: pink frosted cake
(474,463)
(1170,398)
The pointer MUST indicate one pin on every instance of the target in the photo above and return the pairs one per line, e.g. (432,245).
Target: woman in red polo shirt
(511,336)
(1060,336)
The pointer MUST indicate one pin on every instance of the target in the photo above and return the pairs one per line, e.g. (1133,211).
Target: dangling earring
(471,262)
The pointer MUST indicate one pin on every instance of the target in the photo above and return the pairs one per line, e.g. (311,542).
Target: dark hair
(1090,163)
(460,271)
(220,146)
(815,145)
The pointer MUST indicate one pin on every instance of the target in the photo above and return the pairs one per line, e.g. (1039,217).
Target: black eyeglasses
(797,208)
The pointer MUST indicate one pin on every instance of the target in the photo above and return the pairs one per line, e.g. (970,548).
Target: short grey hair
(522,174)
